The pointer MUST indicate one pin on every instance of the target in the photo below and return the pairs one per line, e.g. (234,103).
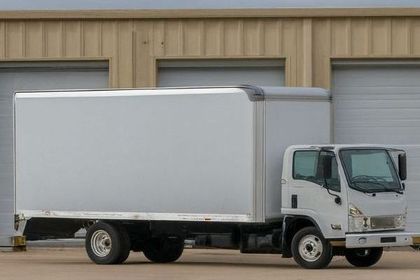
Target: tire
(310,249)
(107,243)
(364,257)
(126,244)
(163,249)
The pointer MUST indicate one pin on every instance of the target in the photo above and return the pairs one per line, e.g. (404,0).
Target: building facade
(369,58)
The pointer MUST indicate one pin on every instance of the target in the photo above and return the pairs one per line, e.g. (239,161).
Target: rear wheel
(364,257)
(163,249)
(310,249)
(126,244)
(107,243)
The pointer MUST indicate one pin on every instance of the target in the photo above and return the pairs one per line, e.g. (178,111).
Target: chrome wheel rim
(310,248)
(101,243)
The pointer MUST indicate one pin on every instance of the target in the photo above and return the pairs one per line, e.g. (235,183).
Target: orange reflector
(416,240)
(338,243)
(19,240)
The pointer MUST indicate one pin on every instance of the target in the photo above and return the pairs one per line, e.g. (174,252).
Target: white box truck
(243,167)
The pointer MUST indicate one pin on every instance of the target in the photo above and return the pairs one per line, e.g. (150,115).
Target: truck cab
(354,195)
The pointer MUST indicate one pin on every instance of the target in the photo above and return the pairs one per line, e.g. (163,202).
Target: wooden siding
(362,38)
(133,46)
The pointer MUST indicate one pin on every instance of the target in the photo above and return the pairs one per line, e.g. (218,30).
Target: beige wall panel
(253,34)
(2,39)
(381,37)
(34,39)
(400,36)
(233,38)
(53,38)
(272,37)
(290,50)
(321,51)
(92,38)
(360,36)
(193,37)
(213,32)
(303,60)
(158,38)
(134,45)
(125,54)
(306,62)
(72,38)
(340,37)
(15,39)
(415,36)
(109,47)
(144,61)
(174,38)
(108,39)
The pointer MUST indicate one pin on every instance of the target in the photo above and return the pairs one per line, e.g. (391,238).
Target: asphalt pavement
(39,263)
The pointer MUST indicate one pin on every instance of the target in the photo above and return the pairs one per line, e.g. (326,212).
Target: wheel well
(291,226)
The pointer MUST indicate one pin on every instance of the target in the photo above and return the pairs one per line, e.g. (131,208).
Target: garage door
(17,76)
(220,72)
(380,103)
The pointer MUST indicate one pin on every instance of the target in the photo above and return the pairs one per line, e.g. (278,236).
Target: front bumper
(382,239)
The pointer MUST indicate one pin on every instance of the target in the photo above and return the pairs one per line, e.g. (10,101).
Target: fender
(323,226)
(289,231)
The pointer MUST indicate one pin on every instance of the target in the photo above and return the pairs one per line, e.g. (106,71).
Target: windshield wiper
(385,188)
(391,190)
(357,187)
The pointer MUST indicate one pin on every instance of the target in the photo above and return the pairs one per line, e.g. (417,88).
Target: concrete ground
(72,263)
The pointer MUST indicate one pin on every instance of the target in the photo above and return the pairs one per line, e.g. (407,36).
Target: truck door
(313,195)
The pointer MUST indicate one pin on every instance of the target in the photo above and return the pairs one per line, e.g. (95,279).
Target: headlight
(357,221)
(354,211)
(359,224)
(400,221)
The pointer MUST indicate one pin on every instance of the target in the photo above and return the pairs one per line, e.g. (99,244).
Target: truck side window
(334,181)
(307,166)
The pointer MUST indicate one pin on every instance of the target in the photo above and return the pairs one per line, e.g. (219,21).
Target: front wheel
(310,249)
(364,257)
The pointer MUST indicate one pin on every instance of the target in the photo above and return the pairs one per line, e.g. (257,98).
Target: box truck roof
(254,92)
(295,93)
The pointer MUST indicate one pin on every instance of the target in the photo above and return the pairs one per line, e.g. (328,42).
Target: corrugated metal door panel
(221,72)
(381,104)
(18,76)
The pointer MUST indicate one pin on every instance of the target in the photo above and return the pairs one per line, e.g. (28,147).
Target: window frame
(293,161)
(366,148)
(337,158)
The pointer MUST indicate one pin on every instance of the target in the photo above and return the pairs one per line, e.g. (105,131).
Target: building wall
(133,46)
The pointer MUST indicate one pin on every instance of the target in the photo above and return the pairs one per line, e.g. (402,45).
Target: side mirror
(402,166)
(327,166)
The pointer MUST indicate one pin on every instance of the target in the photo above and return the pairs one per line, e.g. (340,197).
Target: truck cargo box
(180,154)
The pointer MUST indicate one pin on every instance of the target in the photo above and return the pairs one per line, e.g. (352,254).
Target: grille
(382,222)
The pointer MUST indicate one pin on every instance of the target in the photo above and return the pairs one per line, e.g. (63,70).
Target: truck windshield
(370,170)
